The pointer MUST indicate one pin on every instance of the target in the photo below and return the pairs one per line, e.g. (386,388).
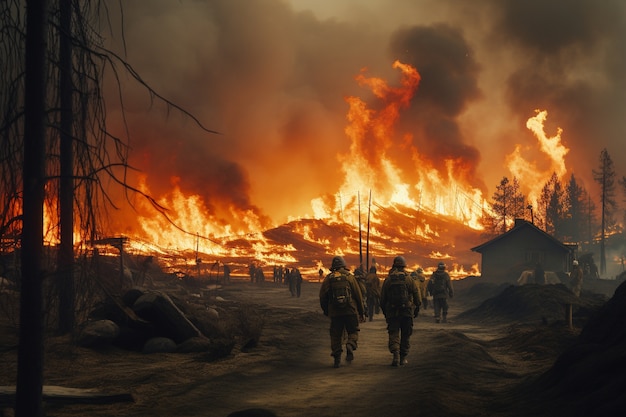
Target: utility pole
(360,238)
(369,210)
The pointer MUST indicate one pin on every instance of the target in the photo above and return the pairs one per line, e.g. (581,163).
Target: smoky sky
(572,62)
(272,76)
(448,85)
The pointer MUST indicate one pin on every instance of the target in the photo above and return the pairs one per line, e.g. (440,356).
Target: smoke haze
(273,77)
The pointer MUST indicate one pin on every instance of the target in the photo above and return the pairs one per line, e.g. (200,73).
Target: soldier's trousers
(372,306)
(339,324)
(400,330)
(440,305)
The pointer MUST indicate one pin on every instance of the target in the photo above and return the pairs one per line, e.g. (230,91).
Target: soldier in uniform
(372,283)
(576,279)
(400,302)
(420,280)
(342,301)
(440,287)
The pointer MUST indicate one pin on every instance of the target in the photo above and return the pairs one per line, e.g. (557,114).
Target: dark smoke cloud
(570,61)
(449,84)
(273,81)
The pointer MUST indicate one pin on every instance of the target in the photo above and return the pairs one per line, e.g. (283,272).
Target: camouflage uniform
(420,281)
(576,280)
(440,293)
(342,318)
(372,284)
(399,320)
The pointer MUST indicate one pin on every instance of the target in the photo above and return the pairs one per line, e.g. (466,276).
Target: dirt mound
(530,303)
(588,379)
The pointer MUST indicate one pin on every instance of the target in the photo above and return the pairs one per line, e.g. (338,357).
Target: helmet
(441,265)
(359,272)
(420,270)
(575,262)
(399,261)
(337,263)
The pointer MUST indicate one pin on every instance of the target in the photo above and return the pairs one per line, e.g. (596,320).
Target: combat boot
(337,361)
(396,359)
(349,354)
(403,360)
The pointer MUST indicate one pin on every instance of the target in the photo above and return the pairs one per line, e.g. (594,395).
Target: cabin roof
(521,224)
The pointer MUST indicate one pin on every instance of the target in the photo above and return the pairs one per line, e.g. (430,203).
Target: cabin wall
(505,259)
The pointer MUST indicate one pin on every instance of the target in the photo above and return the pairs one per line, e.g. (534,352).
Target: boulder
(98,333)
(160,310)
(159,345)
(194,344)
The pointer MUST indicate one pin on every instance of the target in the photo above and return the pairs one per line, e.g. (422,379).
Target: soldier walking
(341,300)
(400,302)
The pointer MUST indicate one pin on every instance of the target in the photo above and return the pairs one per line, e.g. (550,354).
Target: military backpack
(438,284)
(340,291)
(397,291)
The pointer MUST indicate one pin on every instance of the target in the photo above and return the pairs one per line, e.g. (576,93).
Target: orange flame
(528,172)
(368,166)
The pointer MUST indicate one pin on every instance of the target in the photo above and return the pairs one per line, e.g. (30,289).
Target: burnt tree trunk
(65,261)
(28,400)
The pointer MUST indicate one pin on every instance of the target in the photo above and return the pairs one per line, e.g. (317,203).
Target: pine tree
(575,197)
(508,204)
(622,182)
(552,203)
(605,177)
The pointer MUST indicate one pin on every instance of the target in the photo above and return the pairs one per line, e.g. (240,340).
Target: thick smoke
(570,60)
(449,84)
(272,78)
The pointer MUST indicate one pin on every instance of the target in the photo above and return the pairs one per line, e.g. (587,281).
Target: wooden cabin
(506,256)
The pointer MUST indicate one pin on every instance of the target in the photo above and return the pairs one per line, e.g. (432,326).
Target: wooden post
(568,315)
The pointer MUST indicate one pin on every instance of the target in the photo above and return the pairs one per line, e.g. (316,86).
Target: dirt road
(455,369)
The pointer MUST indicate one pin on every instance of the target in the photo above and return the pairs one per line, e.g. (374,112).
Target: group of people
(291,277)
(347,298)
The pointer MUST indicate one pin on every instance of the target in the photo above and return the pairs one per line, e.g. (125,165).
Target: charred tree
(28,396)
(605,177)
(65,259)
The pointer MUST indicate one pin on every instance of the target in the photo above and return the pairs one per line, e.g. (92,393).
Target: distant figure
(226,274)
(440,287)
(539,274)
(359,274)
(252,271)
(400,302)
(297,279)
(321,273)
(372,284)
(576,279)
(259,275)
(286,276)
(420,280)
(291,280)
(341,300)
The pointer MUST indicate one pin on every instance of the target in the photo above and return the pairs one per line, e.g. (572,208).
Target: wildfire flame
(528,172)
(368,167)
(373,183)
